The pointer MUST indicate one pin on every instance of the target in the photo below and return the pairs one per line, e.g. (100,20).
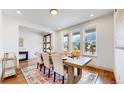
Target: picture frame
(21,40)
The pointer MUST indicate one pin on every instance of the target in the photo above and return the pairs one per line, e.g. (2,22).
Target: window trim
(84,31)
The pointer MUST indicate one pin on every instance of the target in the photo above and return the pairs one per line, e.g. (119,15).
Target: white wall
(32,41)
(10,35)
(1,34)
(1,41)
(105,40)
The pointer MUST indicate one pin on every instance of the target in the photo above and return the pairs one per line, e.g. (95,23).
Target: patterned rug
(35,76)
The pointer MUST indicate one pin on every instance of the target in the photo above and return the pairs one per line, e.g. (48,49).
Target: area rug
(35,76)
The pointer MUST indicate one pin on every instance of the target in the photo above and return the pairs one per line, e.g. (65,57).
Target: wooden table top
(76,62)
(80,62)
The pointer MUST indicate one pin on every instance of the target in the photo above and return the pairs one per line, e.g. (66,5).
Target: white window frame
(84,31)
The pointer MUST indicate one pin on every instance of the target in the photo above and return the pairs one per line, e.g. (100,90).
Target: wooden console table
(9,65)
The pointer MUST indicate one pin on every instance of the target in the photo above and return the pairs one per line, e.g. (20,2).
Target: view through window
(76,41)
(66,42)
(90,42)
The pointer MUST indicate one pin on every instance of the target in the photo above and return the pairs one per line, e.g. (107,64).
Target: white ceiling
(28,29)
(24,28)
(65,18)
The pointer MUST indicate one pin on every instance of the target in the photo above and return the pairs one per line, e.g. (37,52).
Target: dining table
(73,63)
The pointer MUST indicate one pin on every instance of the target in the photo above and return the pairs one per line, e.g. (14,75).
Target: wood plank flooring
(104,77)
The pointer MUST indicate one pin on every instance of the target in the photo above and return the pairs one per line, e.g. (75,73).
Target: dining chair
(47,63)
(39,60)
(58,66)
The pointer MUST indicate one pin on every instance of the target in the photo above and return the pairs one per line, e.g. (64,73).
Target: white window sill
(87,55)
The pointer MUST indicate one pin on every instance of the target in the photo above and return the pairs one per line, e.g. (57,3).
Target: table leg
(70,75)
(79,75)
(78,71)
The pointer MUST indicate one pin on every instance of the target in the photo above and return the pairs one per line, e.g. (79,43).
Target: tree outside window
(90,42)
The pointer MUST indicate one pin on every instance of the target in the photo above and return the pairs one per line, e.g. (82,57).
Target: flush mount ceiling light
(53,12)
(18,12)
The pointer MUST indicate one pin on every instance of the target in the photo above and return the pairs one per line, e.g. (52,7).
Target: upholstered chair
(39,60)
(58,66)
(47,63)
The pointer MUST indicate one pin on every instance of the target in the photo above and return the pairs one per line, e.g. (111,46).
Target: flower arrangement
(75,53)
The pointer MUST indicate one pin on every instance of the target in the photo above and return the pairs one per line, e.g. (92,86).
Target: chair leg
(54,76)
(62,79)
(41,66)
(49,73)
(44,69)
(52,68)
(37,65)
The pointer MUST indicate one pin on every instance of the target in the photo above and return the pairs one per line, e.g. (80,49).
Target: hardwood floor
(104,77)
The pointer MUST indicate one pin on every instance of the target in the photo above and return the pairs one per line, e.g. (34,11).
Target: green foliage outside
(77,46)
(90,47)
(65,45)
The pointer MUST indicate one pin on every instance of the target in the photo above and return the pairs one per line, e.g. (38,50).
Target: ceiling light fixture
(53,12)
(91,15)
(18,12)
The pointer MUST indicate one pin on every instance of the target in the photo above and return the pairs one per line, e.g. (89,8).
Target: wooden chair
(47,63)
(39,60)
(58,66)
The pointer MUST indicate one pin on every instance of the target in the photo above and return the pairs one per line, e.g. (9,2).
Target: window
(76,41)
(90,42)
(66,42)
